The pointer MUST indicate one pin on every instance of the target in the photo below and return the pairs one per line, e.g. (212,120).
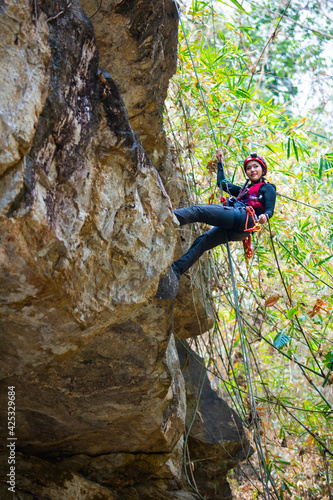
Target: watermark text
(11,439)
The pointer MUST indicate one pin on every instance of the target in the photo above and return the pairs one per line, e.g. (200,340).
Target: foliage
(285,293)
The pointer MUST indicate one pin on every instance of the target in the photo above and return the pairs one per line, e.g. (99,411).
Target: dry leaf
(272,300)
(317,307)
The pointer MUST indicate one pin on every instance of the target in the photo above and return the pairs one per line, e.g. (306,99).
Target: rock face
(137,42)
(87,230)
(140,51)
(91,221)
(25,55)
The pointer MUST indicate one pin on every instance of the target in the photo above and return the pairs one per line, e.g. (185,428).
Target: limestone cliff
(87,230)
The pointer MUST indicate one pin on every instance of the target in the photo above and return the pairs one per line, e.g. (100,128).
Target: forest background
(257,76)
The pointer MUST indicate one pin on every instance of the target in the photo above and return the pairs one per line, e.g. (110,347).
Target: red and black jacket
(261,195)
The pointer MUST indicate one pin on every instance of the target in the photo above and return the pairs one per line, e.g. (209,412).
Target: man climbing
(248,205)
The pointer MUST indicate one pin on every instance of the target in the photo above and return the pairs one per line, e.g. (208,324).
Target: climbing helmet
(259,159)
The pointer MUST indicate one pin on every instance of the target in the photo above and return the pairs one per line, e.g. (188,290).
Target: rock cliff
(87,230)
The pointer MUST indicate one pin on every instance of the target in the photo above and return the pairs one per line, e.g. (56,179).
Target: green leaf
(295,149)
(318,135)
(221,35)
(281,339)
(292,312)
(323,260)
(328,360)
(238,5)
(285,487)
(321,164)
(326,379)
(243,93)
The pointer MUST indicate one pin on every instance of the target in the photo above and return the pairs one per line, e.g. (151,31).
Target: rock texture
(86,232)
(92,220)
(25,55)
(84,241)
(38,479)
(137,43)
(193,315)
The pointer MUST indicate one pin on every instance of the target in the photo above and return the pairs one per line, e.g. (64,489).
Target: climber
(230,222)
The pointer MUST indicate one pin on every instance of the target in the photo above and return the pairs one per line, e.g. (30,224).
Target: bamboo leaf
(281,339)
(271,301)
(288,149)
(238,5)
(291,313)
(295,149)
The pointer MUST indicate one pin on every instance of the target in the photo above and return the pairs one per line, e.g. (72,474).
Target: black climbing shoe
(168,286)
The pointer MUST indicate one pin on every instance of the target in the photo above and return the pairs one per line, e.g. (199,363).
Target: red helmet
(259,159)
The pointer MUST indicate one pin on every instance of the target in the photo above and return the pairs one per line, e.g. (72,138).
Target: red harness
(251,196)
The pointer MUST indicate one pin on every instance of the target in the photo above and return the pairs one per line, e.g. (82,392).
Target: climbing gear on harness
(259,159)
(247,244)
(223,200)
(251,213)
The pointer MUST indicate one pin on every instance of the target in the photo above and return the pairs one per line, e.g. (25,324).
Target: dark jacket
(267,192)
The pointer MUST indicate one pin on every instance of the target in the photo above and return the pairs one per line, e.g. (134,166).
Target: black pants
(229,225)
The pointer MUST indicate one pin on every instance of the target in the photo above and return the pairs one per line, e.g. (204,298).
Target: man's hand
(263,218)
(219,155)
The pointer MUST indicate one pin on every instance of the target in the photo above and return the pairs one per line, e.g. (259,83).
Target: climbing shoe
(168,286)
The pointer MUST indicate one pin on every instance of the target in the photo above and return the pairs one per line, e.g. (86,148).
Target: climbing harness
(253,197)
(247,243)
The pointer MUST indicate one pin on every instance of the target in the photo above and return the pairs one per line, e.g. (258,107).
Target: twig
(59,13)
(303,425)
(295,22)
(305,204)
(290,301)
(327,474)
(190,464)
(303,266)
(94,14)
(36,13)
